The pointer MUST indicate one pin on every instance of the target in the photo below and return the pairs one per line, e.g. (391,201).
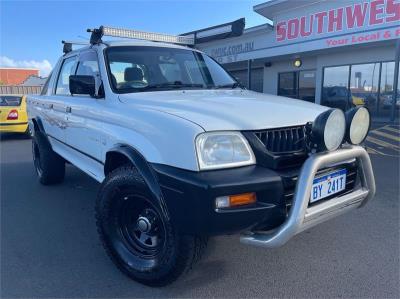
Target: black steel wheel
(137,235)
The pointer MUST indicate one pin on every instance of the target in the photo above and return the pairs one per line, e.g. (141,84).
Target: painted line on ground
(386,135)
(390,129)
(382,143)
(371,150)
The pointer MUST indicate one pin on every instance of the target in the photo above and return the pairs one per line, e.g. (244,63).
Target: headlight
(358,122)
(223,150)
(328,130)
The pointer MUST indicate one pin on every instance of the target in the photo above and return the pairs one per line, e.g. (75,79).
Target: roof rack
(97,34)
(221,31)
(68,45)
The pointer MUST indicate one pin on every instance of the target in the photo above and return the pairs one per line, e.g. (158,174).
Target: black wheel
(49,166)
(137,236)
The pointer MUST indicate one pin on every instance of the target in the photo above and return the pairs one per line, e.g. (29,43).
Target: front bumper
(301,216)
(190,197)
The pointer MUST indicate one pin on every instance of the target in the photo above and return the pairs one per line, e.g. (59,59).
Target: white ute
(183,152)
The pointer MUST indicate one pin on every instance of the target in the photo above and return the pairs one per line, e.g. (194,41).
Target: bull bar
(302,217)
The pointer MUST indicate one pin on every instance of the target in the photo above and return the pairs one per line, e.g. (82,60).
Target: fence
(17,89)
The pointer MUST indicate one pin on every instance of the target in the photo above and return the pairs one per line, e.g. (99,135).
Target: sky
(31,31)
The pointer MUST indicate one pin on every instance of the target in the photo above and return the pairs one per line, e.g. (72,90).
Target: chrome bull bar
(302,217)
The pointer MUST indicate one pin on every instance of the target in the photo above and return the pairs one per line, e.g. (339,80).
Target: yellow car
(13,115)
(358,101)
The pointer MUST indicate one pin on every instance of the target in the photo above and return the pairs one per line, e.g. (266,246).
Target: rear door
(53,104)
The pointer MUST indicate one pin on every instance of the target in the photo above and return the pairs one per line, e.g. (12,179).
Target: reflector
(230,201)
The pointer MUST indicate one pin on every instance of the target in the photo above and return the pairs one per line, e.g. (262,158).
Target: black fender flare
(146,171)
(39,128)
(38,125)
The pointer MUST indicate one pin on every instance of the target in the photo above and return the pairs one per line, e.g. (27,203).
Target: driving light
(223,150)
(136,34)
(328,130)
(358,122)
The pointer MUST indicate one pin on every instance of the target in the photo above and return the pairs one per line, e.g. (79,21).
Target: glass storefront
(369,84)
(385,103)
(299,85)
(364,84)
(335,91)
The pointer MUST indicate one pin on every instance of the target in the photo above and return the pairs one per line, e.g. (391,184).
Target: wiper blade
(233,85)
(176,84)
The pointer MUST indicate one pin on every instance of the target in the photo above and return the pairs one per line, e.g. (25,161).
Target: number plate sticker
(328,184)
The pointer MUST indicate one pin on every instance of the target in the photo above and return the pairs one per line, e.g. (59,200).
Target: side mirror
(82,84)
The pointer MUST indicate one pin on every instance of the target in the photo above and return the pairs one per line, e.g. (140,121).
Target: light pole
(396,80)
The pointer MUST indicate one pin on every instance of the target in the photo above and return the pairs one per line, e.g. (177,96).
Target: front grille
(289,183)
(283,140)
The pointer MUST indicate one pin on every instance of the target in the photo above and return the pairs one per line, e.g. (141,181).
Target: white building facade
(336,53)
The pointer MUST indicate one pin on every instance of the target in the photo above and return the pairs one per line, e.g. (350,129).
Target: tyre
(49,166)
(140,241)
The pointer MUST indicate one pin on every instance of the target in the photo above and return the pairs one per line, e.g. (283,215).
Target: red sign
(363,37)
(340,19)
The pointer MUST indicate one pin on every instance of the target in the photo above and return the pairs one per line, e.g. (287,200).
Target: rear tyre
(136,235)
(49,166)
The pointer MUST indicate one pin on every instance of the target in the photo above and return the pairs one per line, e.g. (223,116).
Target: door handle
(68,109)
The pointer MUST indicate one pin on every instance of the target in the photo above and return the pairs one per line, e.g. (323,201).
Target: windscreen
(138,69)
(10,100)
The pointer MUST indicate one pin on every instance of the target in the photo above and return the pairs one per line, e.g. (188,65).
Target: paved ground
(49,245)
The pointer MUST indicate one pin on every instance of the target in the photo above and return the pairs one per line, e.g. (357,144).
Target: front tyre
(137,236)
(49,166)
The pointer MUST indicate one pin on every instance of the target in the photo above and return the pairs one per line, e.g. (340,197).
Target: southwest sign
(357,16)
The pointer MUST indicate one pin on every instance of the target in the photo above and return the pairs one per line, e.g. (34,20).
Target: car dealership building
(336,53)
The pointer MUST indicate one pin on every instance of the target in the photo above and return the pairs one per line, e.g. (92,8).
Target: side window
(46,85)
(67,69)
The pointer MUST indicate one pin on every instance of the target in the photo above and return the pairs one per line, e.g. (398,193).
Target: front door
(84,118)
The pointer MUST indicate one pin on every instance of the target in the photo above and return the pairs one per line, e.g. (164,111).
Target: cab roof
(131,42)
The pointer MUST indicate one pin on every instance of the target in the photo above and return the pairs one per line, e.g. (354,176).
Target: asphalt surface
(50,248)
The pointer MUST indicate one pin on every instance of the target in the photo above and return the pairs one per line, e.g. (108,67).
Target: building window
(298,85)
(369,84)
(257,78)
(307,86)
(385,102)
(335,91)
(288,84)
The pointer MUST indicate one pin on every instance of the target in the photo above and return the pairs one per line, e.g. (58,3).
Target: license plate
(328,184)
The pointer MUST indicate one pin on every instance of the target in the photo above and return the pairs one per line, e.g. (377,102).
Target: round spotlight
(328,130)
(297,62)
(358,122)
